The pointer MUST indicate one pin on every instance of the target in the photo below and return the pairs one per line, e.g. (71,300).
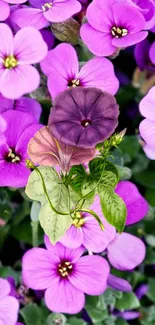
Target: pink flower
(17,76)
(42,12)
(3,126)
(45,150)
(5,8)
(65,276)
(9,306)
(98,72)
(147,126)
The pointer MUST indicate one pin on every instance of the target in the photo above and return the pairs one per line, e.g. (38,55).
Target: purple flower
(45,150)
(9,306)
(142,291)
(23,104)
(147,126)
(147,8)
(5,9)
(137,206)
(21,127)
(118,283)
(65,276)
(111,26)
(144,55)
(48,38)
(3,127)
(83,117)
(87,232)
(42,12)
(98,72)
(127,314)
(17,76)
(126,251)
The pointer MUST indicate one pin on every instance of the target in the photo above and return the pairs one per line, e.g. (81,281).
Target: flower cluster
(66,158)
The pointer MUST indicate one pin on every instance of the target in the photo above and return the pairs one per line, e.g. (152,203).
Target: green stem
(93,214)
(35,225)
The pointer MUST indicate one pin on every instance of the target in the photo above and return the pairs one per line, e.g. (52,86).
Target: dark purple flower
(147,8)
(112,25)
(21,127)
(48,37)
(42,12)
(143,57)
(23,104)
(142,290)
(127,314)
(83,116)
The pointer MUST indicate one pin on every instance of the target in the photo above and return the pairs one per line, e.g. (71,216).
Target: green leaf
(121,321)
(128,301)
(150,239)
(125,173)
(56,319)
(75,321)
(130,145)
(96,167)
(77,176)
(54,224)
(110,167)
(6,271)
(113,207)
(146,178)
(151,291)
(33,314)
(96,315)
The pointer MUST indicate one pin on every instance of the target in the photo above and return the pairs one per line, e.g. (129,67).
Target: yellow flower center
(119,32)
(78,221)
(10,62)
(12,157)
(65,268)
(47,6)
(74,83)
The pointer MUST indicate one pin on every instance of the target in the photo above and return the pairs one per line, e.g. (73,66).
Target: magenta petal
(73,237)
(6,41)
(29,17)
(9,307)
(129,39)
(56,84)
(28,105)
(118,283)
(63,10)
(97,20)
(90,275)
(62,252)
(3,124)
(98,43)
(147,131)
(21,145)
(55,59)
(15,2)
(4,10)
(137,206)
(126,251)
(4,288)
(19,81)
(13,175)
(152,53)
(29,46)
(128,17)
(63,297)
(99,73)
(6,104)
(147,105)
(39,269)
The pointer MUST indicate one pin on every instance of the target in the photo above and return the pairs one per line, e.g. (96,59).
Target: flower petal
(39,269)
(13,175)
(95,15)
(63,10)
(63,297)
(28,105)
(21,146)
(147,131)
(99,43)
(6,104)
(126,251)
(16,82)
(64,253)
(99,73)
(126,16)
(6,41)
(90,274)
(4,288)
(73,237)
(9,307)
(129,39)
(149,151)
(29,17)
(118,284)
(4,10)
(147,105)
(29,46)
(137,206)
